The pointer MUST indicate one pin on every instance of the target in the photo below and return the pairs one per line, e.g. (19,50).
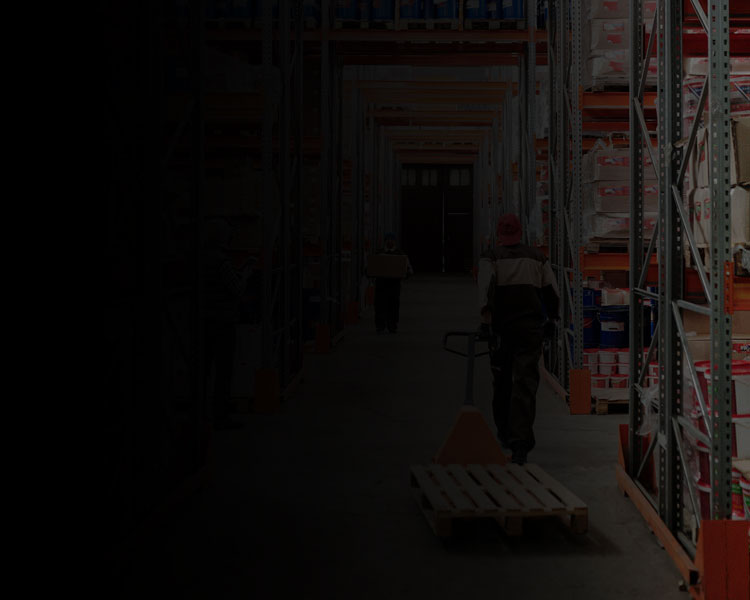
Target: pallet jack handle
(472,337)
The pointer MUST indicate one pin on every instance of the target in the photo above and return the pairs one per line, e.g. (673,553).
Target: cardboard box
(698,330)
(740,201)
(739,155)
(700,347)
(698,324)
(387,265)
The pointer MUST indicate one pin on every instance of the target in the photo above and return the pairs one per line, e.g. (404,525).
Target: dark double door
(436,221)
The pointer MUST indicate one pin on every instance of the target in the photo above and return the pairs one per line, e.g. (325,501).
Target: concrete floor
(315,502)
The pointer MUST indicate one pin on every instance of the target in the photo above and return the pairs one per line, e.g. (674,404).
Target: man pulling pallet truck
(517,291)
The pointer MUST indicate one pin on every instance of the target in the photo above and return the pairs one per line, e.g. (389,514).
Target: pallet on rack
(597,245)
(607,399)
(492,24)
(508,495)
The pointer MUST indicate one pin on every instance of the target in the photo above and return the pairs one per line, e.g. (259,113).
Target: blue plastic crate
(347,10)
(382,10)
(256,9)
(218,9)
(411,9)
(441,9)
(513,9)
(475,9)
(311,13)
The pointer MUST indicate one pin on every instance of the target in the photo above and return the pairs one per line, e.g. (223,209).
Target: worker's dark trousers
(515,370)
(387,301)
(220,340)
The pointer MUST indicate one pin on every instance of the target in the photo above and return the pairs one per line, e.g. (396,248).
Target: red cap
(508,230)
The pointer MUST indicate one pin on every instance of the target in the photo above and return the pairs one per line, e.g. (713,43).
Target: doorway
(437,228)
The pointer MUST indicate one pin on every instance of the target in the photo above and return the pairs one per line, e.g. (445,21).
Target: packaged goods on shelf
(610,164)
(411,9)
(513,9)
(381,10)
(614,196)
(739,97)
(606,34)
(740,203)
(649,10)
(608,9)
(348,9)
(612,67)
(739,153)
(698,65)
(442,9)
(615,225)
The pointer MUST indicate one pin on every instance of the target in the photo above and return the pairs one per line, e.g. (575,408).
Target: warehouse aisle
(315,502)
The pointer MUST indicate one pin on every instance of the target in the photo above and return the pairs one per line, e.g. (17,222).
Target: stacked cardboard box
(606,176)
(606,44)
(698,198)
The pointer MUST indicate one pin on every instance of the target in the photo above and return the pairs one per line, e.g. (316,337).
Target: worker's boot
(520,452)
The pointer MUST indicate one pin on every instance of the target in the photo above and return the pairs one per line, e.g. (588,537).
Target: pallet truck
(470,476)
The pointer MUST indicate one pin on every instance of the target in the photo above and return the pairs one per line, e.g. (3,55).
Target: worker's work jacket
(518,285)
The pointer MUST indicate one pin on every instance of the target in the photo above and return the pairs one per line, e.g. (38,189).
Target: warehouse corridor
(315,502)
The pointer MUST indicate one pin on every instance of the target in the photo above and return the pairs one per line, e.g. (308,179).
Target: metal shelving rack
(566,207)
(673,234)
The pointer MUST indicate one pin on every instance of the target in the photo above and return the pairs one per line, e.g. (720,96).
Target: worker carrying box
(388,266)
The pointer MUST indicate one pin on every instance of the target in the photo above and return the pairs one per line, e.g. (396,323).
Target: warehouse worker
(516,289)
(388,291)
(223,290)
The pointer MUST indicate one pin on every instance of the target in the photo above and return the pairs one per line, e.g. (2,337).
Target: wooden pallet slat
(526,500)
(535,487)
(430,490)
(459,500)
(498,493)
(572,501)
(479,497)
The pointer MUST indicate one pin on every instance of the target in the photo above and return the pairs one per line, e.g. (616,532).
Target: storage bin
(411,9)
(441,9)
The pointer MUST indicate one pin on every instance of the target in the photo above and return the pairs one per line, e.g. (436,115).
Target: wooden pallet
(508,495)
(597,245)
(605,400)
(604,407)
